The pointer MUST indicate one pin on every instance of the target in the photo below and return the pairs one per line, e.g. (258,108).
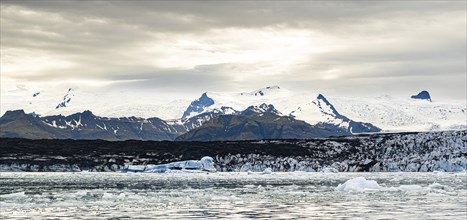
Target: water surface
(231,195)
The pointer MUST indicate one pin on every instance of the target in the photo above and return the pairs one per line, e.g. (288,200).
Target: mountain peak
(424,95)
(323,103)
(87,113)
(198,105)
(14,113)
(320,96)
(204,96)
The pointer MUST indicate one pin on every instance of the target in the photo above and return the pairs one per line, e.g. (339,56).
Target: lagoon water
(296,195)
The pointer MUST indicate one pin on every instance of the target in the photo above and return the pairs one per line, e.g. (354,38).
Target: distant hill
(85,125)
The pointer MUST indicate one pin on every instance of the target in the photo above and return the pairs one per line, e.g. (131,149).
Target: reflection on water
(231,195)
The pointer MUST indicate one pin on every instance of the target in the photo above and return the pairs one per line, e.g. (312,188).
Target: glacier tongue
(436,152)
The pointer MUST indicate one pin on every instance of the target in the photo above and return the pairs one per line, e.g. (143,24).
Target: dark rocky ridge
(379,152)
(254,123)
(258,126)
(85,125)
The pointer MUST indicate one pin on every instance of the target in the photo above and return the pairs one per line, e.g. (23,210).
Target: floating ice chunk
(267,171)
(205,164)
(410,188)
(329,170)
(436,186)
(17,195)
(358,184)
(108,196)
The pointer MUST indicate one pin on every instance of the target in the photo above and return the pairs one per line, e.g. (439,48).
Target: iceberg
(358,184)
(205,164)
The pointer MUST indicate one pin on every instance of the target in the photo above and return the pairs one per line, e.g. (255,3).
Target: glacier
(400,152)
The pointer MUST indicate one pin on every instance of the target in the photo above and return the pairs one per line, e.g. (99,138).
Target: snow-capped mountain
(362,114)
(67,101)
(385,112)
(198,106)
(319,110)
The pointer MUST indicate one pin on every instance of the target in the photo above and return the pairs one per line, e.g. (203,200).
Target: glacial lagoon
(292,195)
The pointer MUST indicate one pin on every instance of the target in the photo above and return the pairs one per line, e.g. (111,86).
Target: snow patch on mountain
(200,119)
(263,91)
(263,108)
(66,99)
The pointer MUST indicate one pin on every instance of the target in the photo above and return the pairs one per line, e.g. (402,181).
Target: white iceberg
(329,170)
(267,171)
(358,184)
(205,164)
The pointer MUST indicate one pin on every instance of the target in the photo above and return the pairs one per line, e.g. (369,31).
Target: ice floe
(205,164)
(359,184)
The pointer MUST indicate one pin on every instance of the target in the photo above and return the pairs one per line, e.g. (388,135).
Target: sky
(176,49)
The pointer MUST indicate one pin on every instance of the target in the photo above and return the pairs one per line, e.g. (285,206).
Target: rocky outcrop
(424,95)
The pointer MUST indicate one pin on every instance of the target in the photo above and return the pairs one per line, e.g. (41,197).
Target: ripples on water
(231,195)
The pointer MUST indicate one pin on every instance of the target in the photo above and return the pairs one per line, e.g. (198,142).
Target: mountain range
(267,113)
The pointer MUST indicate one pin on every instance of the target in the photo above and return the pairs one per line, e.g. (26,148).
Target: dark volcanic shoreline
(426,151)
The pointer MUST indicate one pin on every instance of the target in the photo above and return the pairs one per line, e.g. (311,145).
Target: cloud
(230,45)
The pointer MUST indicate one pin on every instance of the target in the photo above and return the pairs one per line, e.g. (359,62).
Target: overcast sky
(188,47)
